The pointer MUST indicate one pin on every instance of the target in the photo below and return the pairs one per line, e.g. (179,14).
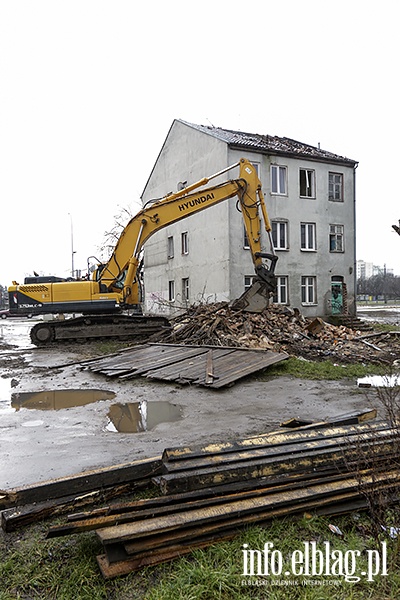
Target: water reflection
(58,399)
(135,417)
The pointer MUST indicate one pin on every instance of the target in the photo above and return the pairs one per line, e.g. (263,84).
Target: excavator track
(96,327)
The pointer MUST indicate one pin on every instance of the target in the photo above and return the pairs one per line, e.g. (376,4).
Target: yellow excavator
(115,287)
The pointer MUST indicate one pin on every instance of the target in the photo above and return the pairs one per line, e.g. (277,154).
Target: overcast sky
(89,90)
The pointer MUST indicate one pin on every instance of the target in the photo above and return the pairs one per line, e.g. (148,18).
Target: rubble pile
(281,329)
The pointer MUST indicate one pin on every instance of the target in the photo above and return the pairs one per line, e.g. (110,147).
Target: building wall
(217,262)
(188,156)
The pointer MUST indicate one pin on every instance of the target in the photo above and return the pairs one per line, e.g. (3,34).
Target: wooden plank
(17,517)
(239,365)
(209,376)
(351,418)
(276,452)
(272,439)
(150,357)
(158,503)
(83,482)
(109,570)
(135,512)
(238,509)
(342,503)
(267,467)
(191,369)
(184,364)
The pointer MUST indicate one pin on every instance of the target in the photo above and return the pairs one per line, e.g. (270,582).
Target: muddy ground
(41,440)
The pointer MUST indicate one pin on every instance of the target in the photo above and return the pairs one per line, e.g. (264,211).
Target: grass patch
(319,370)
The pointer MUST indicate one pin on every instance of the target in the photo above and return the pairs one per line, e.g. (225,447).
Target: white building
(310,198)
(365,270)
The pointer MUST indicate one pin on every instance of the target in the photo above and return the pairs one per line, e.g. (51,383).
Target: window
(278,179)
(185,289)
(336,187)
(171,291)
(246,243)
(279,235)
(308,290)
(185,243)
(170,247)
(281,293)
(336,238)
(307,183)
(248,281)
(307,236)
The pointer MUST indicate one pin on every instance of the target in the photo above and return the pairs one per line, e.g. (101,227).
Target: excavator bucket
(256,298)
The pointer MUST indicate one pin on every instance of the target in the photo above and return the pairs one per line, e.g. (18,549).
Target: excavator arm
(116,284)
(124,261)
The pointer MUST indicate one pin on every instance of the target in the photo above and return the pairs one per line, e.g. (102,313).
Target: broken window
(185,242)
(281,292)
(170,247)
(308,290)
(279,235)
(171,291)
(307,183)
(308,236)
(336,238)
(278,179)
(336,187)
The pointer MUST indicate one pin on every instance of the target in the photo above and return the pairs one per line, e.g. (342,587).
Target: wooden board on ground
(209,366)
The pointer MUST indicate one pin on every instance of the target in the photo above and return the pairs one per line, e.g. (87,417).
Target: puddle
(379,381)
(17,333)
(58,399)
(135,417)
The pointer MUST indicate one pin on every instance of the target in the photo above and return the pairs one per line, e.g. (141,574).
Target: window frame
(185,289)
(276,225)
(331,195)
(282,283)
(246,243)
(308,282)
(307,246)
(170,246)
(310,176)
(335,236)
(184,243)
(171,290)
(277,179)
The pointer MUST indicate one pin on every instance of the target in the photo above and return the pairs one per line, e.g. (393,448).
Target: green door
(337,297)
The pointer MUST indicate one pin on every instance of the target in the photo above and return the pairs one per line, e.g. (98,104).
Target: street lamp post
(72,248)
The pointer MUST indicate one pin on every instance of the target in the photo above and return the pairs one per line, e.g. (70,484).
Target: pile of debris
(280,329)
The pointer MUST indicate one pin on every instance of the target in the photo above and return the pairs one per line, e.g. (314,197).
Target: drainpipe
(355,240)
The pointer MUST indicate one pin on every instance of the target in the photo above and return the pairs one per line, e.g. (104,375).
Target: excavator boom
(116,285)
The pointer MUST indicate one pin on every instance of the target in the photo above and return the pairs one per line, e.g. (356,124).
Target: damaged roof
(270,144)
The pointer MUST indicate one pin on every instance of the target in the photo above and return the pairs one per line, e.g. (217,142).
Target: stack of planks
(208,366)
(210,493)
